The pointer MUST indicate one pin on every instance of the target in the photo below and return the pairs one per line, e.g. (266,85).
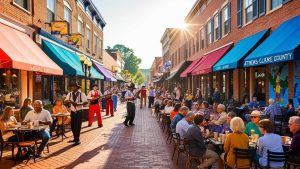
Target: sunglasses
(253,117)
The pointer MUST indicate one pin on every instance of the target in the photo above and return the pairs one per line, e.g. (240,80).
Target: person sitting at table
(290,109)
(294,153)
(197,145)
(26,107)
(175,111)
(253,125)
(268,142)
(59,108)
(182,113)
(169,108)
(237,139)
(196,107)
(226,126)
(44,118)
(253,104)
(219,119)
(183,125)
(272,110)
(205,110)
(8,120)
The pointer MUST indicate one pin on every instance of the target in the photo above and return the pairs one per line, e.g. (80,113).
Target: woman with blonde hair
(8,120)
(237,139)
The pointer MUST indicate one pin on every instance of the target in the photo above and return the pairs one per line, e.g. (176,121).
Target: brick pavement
(113,147)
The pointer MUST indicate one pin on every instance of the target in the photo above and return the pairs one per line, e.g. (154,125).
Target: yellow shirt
(236,140)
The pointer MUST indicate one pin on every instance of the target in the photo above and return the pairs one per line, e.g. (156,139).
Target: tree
(126,75)
(138,78)
(131,60)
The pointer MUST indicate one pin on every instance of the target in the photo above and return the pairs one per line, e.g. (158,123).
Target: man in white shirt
(44,117)
(130,97)
(183,125)
(108,102)
(76,100)
(94,96)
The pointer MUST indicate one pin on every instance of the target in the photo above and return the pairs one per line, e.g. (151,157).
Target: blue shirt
(271,142)
(182,127)
(151,93)
(176,119)
(253,104)
(272,110)
(226,127)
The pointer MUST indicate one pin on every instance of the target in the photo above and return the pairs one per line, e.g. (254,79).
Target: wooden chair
(178,146)
(190,158)
(242,154)
(274,157)
(5,143)
(30,145)
(278,122)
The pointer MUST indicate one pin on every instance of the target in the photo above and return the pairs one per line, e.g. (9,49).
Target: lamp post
(86,64)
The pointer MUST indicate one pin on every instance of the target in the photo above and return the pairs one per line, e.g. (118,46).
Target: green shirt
(251,126)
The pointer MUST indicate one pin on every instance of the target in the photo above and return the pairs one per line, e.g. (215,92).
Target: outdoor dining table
(62,115)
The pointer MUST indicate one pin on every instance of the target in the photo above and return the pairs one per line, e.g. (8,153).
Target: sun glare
(182,26)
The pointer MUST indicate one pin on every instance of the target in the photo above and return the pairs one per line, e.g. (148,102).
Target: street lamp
(86,64)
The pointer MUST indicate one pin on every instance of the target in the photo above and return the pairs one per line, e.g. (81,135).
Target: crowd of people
(196,120)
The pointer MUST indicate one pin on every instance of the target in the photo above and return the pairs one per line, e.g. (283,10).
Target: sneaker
(132,124)
(126,124)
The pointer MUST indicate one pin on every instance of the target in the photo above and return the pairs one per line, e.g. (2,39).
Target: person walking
(130,98)
(151,97)
(93,96)
(109,102)
(75,101)
(216,99)
(143,96)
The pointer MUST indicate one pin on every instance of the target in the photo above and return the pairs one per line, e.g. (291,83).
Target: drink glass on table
(211,117)
(216,136)
(29,125)
(252,132)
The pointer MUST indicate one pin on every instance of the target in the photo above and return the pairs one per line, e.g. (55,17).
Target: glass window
(248,10)
(216,26)
(95,43)
(79,27)
(50,10)
(81,3)
(68,16)
(88,38)
(100,48)
(226,21)
(9,88)
(202,38)
(23,3)
(275,3)
(209,33)
(89,12)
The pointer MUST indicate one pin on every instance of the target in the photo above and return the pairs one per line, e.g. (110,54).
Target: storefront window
(260,76)
(9,88)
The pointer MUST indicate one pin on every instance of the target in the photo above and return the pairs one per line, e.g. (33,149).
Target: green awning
(182,67)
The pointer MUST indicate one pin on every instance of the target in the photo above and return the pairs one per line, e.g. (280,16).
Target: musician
(75,101)
(94,96)
(130,98)
(109,102)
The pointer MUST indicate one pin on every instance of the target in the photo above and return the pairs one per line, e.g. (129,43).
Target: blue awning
(234,58)
(282,45)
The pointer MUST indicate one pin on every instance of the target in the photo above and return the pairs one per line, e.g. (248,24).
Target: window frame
(228,21)
(49,10)
(95,43)
(67,8)
(202,38)
(28,11)
(88,37)
(216,28)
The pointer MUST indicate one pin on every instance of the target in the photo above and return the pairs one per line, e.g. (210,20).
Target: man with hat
(253,126)
(75,101)
(130,98)
(93,96)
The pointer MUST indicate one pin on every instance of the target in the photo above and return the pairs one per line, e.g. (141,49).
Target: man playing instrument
(93,96)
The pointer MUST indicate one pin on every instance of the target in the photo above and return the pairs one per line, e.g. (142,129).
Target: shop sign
(74,39)
(269,59)
(59,28)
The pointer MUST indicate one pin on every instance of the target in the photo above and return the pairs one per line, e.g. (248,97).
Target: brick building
(156,69)
(216,28)
(34,17)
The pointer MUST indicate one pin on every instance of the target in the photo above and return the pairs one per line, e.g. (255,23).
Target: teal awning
(65,59)
(234,58)
(95,74)
(282,45)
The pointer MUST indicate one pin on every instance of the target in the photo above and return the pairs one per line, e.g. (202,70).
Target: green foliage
(131,60)
(126,75)
(138,78)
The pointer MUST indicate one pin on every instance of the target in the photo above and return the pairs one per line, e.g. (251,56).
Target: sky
(140,24)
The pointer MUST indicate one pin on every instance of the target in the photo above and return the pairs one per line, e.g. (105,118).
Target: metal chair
(190,157)
(242,154)
(178,146)
(274,157)
(4,143)
(278,122)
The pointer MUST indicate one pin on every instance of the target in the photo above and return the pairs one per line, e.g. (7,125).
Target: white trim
(224,4)
(96,61)
(66,4)
(55,43)
(217,48)
(80,19)
(7,23)
(96,34)
(87,26)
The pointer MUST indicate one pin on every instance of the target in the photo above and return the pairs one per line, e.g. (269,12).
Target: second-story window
(50,10)
(209,32)
(88,38)
(275,4)
(95,46)
(248,10)
(25,4)
(79,26)
(202,38)
(226,19)
(217,26)
(68,16)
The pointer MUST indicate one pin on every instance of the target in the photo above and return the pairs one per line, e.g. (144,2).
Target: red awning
(206,64)
(19,51)
(191,67)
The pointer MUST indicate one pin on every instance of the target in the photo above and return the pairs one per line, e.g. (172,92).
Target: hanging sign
(60,28)
(74,39)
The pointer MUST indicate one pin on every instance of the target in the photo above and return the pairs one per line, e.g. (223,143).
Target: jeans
(151,101)
(211,158)
(45,138)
